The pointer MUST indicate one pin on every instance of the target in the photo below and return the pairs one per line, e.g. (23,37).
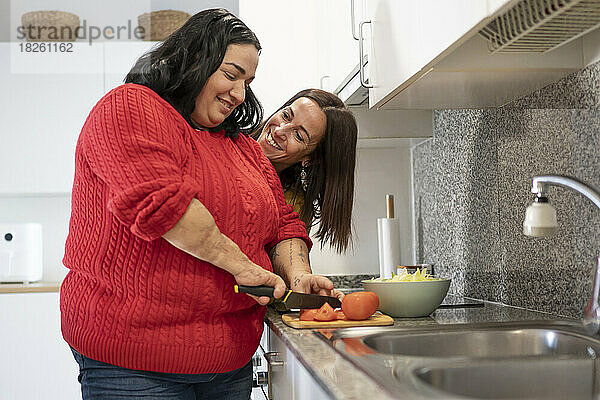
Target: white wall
(379,171)
(383,167)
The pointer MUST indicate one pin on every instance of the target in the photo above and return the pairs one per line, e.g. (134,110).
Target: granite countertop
(343,380)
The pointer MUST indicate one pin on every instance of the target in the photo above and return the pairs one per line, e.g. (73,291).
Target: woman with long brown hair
(311,142)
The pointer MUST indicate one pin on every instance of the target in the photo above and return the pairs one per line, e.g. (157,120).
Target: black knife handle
(266,291)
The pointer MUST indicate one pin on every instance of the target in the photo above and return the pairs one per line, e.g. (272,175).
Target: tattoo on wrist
(277,267)
(296,281)
(273,253)
(301,255)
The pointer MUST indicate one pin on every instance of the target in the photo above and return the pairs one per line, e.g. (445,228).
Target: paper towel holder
(389,205)
(388,238)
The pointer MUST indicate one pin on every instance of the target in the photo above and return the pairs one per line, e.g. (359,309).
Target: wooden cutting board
(376,319)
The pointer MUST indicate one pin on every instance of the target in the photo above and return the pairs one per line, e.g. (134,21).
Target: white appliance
(20,252)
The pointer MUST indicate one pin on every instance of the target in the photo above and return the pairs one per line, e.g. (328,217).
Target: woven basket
(50,26)
(158,25)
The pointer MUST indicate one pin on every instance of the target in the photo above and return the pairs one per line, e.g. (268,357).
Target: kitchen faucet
(540,221)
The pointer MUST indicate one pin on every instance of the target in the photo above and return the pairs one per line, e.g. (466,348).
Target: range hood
(541,25)
(350,90)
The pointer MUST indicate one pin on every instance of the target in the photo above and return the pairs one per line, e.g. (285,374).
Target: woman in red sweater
(173,204)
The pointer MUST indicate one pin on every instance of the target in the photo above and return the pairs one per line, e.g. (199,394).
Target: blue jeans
(106,381)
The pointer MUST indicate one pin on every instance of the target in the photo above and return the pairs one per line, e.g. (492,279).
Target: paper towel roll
(388,236)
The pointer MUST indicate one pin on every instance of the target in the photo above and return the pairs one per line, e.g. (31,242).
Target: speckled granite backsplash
(472,184)
(349,281)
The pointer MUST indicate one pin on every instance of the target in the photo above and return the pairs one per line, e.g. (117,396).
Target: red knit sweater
(132,299)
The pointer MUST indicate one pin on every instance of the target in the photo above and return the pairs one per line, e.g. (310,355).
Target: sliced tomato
(308,315)
(340,315)
(325,313)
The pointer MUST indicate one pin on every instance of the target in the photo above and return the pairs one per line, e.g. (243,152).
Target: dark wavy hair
(329,193)
(178,68)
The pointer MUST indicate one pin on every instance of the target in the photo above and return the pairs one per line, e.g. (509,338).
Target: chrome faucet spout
(542,183)
(540,186)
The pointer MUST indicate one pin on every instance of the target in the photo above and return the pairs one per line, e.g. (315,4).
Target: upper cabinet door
(45,100)
(337,48)
(407,35)
(288,59)
(396,52)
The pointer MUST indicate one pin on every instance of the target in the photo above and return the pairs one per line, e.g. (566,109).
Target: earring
(303,178)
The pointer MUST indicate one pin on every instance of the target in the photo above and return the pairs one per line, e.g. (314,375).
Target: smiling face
(292,133)
(225,89)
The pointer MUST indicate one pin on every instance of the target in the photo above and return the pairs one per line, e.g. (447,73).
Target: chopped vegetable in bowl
(420,275)
(409,295)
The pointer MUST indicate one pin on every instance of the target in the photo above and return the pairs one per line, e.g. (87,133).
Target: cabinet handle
(321,81)
(271,356)
(361,55)
(352,19)
(271,359)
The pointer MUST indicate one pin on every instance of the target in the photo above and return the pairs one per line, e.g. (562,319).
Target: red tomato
(307,315)
(340,315)
(325,313)
(360,305)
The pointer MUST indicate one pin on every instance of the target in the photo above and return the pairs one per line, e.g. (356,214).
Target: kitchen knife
(291,300)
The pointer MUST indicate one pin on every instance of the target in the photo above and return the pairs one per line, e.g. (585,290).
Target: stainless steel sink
(490,341)
(571,379)
(525,360)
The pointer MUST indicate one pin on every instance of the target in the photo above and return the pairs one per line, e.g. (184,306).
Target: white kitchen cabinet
(305,386)
(282,363)
(336,46)
(37,363)
(289,379)
(288,59)
(407,35)
(399,56)
(427,54)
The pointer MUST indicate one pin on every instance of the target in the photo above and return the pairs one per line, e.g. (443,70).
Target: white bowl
(408,299)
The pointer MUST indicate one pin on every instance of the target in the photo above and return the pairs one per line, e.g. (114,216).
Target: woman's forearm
(290,260)
(197,234)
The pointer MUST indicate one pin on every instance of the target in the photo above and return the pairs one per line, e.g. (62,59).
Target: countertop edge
(338,391)
(343,380)
(34,287)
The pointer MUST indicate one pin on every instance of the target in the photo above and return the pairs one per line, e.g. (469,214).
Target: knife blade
(290,299)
